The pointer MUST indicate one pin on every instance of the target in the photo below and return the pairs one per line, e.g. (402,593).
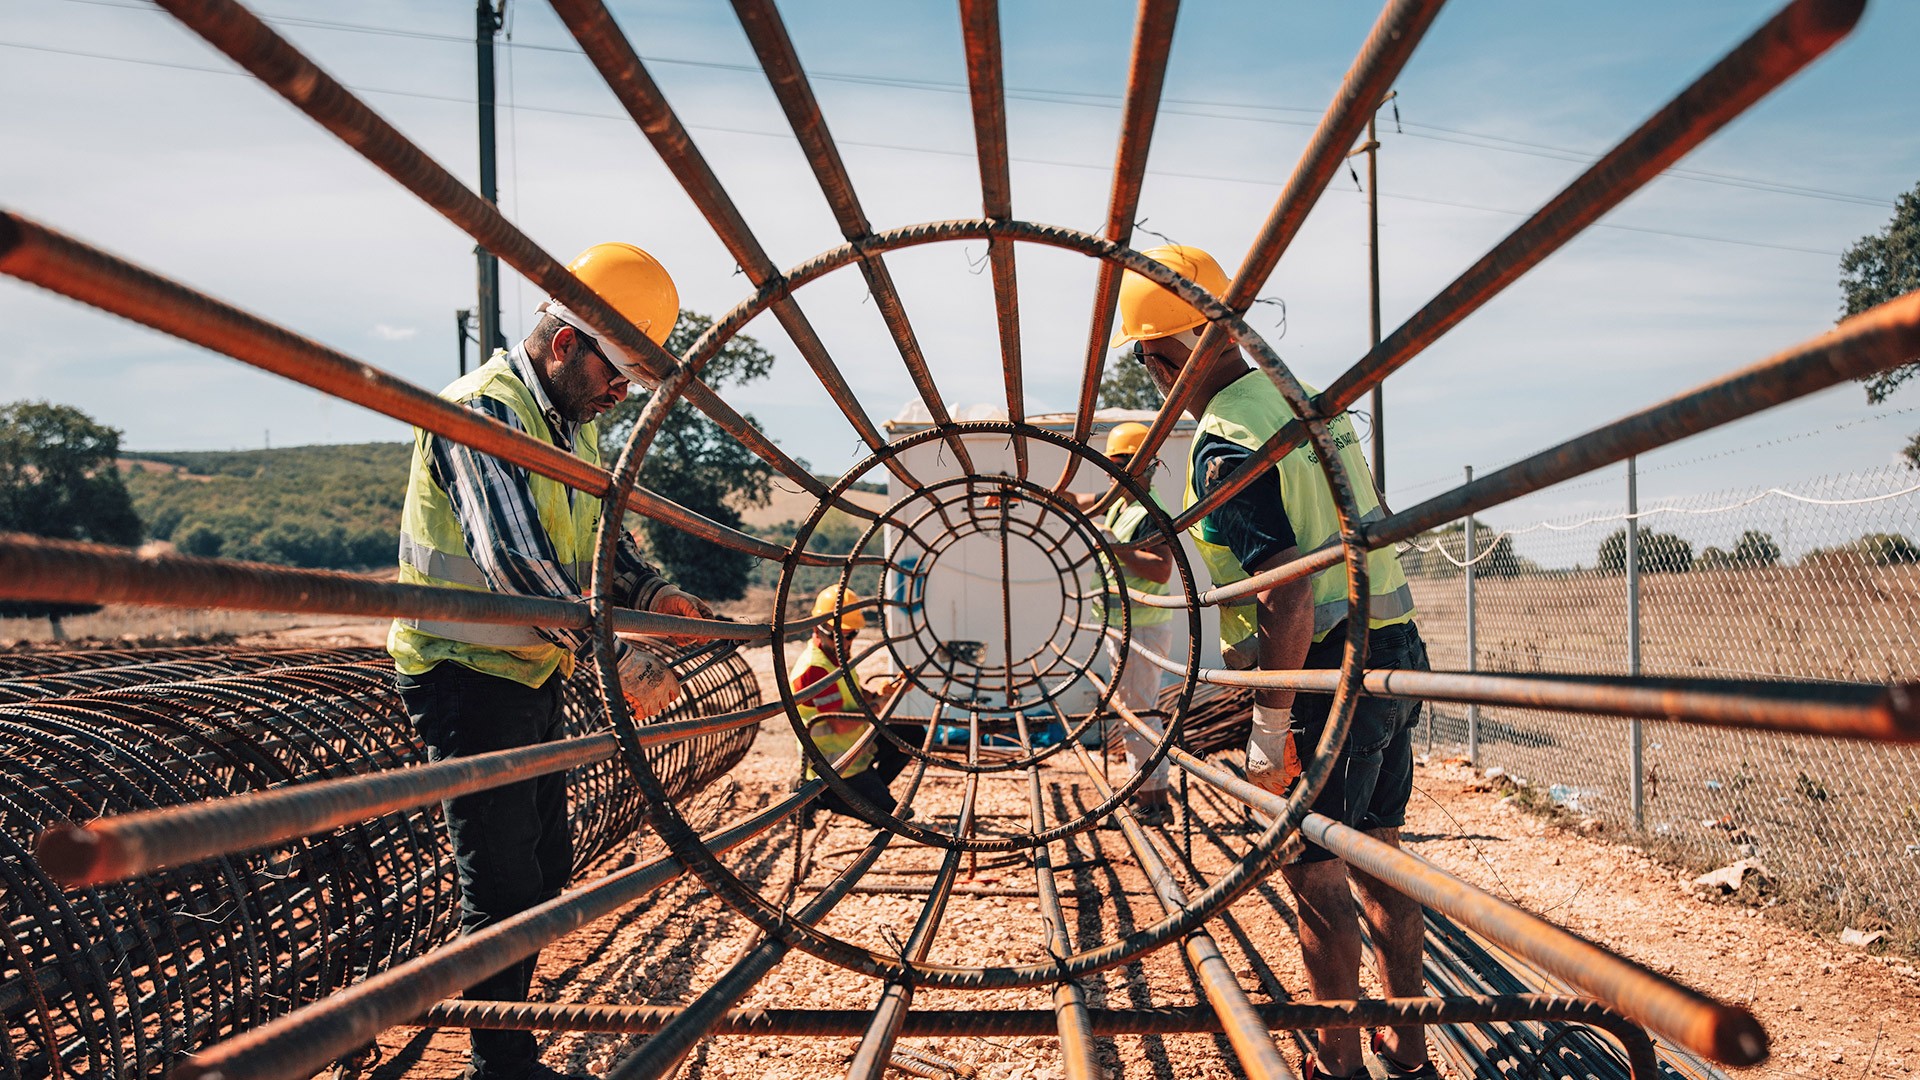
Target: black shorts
(1373,779)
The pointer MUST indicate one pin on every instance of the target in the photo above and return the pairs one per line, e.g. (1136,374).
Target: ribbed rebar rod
(1695,1022)
(249,42)
(52,260)
(1789,41)
(986,81)
(896,998)
(1246,1032)
(767,32)
(613,55)
(1835,710)
(1146,74)
(302,1043)
(1877,339)
(1389,45)
(662,1055)
(1015,1023)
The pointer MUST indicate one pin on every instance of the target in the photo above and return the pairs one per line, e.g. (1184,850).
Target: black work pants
(511,844)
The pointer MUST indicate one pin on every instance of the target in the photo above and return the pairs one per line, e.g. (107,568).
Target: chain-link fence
(1821,581)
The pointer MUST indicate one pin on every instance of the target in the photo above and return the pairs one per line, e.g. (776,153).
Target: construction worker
(1294,625)
(472,521)
(832,712)
(1146,570)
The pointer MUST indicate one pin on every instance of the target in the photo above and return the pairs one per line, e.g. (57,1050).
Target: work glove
(1273,761)
(646,681)
(675,601)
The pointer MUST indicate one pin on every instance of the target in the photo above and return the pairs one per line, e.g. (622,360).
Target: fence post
(1473,653)
(1636,752)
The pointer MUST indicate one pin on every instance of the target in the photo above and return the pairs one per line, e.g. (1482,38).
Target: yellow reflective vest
(835,732)
(433,551)
(1124,520)
(1247,413)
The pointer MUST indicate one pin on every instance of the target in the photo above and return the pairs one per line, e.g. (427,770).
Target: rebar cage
(961,505)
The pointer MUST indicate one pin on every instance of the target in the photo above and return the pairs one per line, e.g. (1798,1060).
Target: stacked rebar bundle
(120,980)
(999,684)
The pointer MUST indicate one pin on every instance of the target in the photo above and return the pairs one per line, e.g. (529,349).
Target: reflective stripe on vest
(433,550)
(1246,414)
(835,732)
(1124,520)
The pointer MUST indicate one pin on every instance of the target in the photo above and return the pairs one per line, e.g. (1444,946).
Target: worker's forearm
(1285,614)
(1152,564)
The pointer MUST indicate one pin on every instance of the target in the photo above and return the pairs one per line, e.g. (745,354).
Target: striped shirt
(502,528)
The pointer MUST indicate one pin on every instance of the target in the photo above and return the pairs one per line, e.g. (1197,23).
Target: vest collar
(523,369)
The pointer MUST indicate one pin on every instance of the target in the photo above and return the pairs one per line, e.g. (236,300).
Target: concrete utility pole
(1371,148)
(463,319)
(489,17)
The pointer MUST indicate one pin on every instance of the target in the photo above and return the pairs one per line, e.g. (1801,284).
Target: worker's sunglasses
(588,343)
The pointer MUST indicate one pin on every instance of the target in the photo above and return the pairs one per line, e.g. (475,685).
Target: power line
(1196,107)
(969,154)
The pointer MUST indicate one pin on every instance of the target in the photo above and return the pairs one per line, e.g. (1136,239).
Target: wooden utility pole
(489,17)
(1371,148)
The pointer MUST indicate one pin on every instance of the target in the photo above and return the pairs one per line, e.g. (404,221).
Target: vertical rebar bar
(1473,651)
(1636,763)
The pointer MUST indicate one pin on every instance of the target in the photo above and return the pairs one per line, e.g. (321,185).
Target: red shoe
(1310,1070)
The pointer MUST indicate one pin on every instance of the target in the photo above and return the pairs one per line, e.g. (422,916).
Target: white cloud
(395,333)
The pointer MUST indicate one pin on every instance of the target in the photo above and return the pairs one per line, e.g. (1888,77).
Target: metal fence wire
(1816,581)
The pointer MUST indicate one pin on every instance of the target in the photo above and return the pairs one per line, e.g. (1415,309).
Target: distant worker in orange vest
(1287,511)
(832,711)
(1145,570)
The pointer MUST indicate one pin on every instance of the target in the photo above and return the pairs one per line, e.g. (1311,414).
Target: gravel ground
(1833,1012)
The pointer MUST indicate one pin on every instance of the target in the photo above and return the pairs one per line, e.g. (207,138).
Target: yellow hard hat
(832,597)
(634,284)
(1125,438)
(1148,311)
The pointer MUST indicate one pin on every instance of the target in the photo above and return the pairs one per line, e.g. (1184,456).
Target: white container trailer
(962,592)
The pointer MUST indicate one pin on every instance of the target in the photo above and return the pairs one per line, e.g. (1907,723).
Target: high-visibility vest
(1247,413)
(434,552)
(1123,521)
(838,729)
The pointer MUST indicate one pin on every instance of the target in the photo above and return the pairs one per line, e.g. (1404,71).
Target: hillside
(321,506)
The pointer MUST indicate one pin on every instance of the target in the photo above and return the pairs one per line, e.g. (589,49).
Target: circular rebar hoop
(774,921)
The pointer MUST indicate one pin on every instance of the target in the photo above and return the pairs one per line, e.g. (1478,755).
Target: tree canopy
(1880,267)
(696,464)
(1658,553)
(1126,385)
(58,478)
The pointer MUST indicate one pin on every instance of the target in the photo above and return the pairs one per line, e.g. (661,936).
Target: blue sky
(152,148)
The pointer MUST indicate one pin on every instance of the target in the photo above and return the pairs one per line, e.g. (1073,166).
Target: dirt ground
(1833,1012)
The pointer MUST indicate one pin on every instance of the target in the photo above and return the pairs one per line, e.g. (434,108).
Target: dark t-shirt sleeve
(1253,524)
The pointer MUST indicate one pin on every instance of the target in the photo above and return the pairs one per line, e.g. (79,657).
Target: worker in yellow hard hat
(1284,512)
(1145,570)
(832,709)
(474,521)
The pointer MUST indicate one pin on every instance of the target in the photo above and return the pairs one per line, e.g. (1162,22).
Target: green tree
(1755,548)
(1126,386)
(58,478)
(1880,267)
(1660,553)
(699,466)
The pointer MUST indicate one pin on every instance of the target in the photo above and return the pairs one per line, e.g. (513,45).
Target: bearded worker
(472,521)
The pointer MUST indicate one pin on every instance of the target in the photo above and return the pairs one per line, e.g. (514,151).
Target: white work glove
(1273,762)
(646,681)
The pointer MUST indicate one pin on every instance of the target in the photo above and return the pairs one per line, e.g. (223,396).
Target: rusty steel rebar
(1797,35)
(251,43)
(198,951)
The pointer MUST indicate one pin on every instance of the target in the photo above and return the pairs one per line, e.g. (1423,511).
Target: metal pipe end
(1738,1038)
(10,232)
(1827,19)
(76,856)
(1902,705)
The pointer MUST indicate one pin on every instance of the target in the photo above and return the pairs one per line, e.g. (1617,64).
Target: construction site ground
(1833,1011)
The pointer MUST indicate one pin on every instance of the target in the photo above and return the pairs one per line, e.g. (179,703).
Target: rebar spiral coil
(127,978)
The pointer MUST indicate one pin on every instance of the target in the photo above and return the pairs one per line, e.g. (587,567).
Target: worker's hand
(646,681)
(673,601)
(1273,761)
(882,689)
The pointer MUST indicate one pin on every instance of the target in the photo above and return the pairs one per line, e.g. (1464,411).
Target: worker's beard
(574,389)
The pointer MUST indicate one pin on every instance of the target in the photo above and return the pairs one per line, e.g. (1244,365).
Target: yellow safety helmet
(634,284)
(1148,311)
(1125,438)
(832,597)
